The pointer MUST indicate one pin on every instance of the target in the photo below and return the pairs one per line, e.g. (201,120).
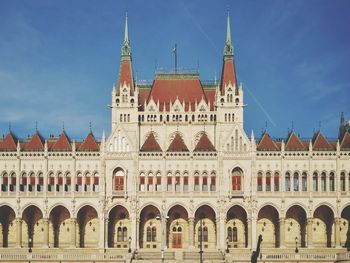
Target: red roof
(166,90)
(89,144)
(9,143)
(321,143)
(204,144)
(228,74)
(177,145)
(143,95)
(345,142)
(294,143)
(36,143)
(125,75)
(210,94)
(151,144)
(62,144)
(267,144)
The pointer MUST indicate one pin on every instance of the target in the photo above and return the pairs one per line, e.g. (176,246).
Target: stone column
(218,233)
(101,241)
(337,222)
(46,222)
(249,234)
(137,235)
(309,229)
(282,223)
(106,221)
(73,227)
(191,232)
(18,232)
(222,232)
(254,232)
(164,232)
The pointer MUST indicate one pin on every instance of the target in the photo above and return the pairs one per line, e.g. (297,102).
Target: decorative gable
(204,144)
(150,144)
(119,141)
(89,144)
(321,143)
(62,144)
(177,144)
(294,143)
(36,143)
(267,144)
(345,142)
(9,143)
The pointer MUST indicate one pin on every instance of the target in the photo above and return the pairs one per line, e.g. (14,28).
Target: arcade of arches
(176,230)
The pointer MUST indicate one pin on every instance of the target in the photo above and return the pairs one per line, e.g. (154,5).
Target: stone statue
(256,253)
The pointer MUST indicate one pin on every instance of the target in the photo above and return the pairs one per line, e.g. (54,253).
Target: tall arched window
(12,183)
(268,182)
(185,186)
(296,182)
(323,182)
(331,182)
(23,186)
(4,183)
(158,182)
(177,182)
(304,182)
(118,177)
(125,234)
(169,185)
(59,185)
(196,181)
(67,186)
(237,179)
(315,182)
(142,182)
(87,185)
(342,182)
(31,182)
(96,182)
(150,182)
(213,182)
(229,234)
(154,234)
(259,181)
(205,234)
(287,182)
(234,234)
(119,234)
(276,182)
(204,182)
(78,186)
(149,234)
(40,182)
(51,182)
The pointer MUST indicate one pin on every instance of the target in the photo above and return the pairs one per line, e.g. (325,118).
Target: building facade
(177,168)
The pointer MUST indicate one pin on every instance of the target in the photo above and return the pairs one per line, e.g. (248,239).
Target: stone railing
(344,256)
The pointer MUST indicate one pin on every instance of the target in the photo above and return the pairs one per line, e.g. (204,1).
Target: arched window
(213,182)
(40,182)
(342,182)
(259,183)
(323,182)
(118,176)
(315,182)
(276,182)
(205,234)
(119,234)
(150,182)
(51,182)
(229,234)
(96,184)
(158,182)
(125,234)
(142,182)
(12,182)
(67,186)
(87,185)
(287,182)
(296,182)
(268,182)
(23,186)
(304,182)
(196,181)
(204,182)
(78,186)
(149,234)
(154,234)
(59,185)
(234,234)
(177,182)
(185,186)
(4,183)
(331,182)
(31,182)
(199,234)
(237,175)
(169,185)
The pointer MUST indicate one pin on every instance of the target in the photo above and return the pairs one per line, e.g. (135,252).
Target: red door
(177,242)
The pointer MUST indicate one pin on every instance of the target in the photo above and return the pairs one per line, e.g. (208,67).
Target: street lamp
(227,241)
(129,250)
(30,244)
(296,245)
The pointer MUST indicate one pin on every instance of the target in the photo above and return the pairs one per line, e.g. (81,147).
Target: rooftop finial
(10,126)
(228,51)
(90,127)
(36,126)
(126,49)
(63,126)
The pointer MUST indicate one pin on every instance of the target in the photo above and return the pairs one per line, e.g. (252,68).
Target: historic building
(178,172)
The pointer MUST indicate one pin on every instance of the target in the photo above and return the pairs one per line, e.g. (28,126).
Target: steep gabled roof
(177,145)
(9,143)
(150,144)
(294,143)
(345,143)
(36,143)
(125,76)
(204,144)
(267,144)
(166,89)
(62,144)
(89,144)
(319,142)
(210,94)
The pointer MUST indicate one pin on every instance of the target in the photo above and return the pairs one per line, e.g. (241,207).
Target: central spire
(126,49)
(228,50)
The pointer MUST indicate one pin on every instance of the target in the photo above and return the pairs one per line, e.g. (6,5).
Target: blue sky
(59,59)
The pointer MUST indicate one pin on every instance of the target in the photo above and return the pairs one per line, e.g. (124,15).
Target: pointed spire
(228,51)
(126,49)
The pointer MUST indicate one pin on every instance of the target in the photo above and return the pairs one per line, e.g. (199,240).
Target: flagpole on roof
(175,56)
